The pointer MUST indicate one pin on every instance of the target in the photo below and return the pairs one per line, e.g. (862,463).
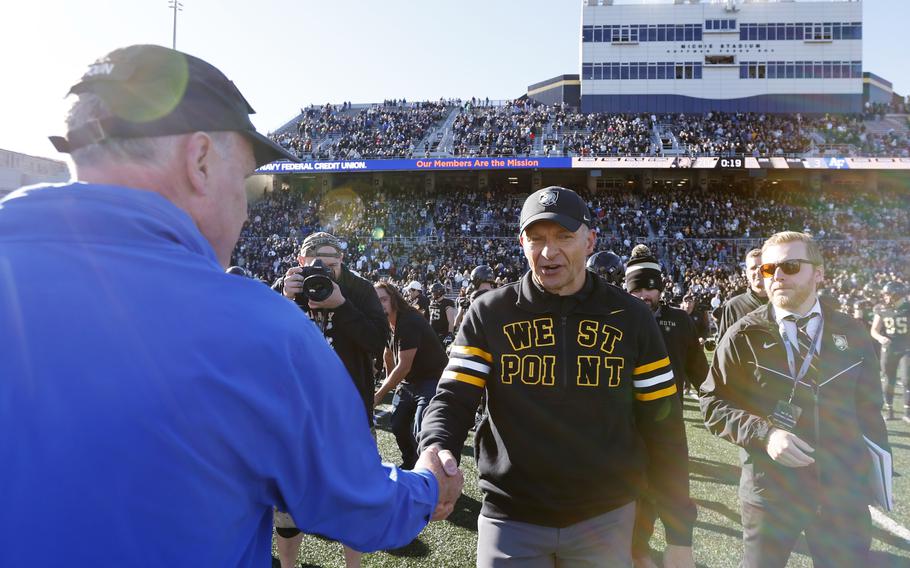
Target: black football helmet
(437,290)
(481,274)
(608,266)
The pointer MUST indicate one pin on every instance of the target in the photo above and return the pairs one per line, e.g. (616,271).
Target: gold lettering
(588,370)
(614,367)
(519,334)
(543,332)
(611,336)
(587,333)
(530,369)
(511,367)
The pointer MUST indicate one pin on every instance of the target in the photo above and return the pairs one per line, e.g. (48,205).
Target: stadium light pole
(176,6)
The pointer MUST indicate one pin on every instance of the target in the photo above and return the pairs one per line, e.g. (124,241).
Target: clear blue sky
(286,54)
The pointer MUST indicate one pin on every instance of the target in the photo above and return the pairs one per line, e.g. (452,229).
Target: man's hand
(788,449)
(330,303)
(676,556)
(293,282)
(885,341)
(450,479)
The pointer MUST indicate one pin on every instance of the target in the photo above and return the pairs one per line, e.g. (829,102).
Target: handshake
(444,467)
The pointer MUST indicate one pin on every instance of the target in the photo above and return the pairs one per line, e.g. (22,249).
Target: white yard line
(887,523)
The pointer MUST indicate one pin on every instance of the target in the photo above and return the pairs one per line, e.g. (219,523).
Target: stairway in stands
(895,122)
(441,137)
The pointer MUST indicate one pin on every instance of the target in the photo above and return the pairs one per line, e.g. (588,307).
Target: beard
(791,298)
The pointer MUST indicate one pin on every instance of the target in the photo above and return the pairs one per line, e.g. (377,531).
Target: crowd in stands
(390,130)
(401,129)
(497,131)
(749,134)
(700,237)
(598,134)
(731,213)
(877,111)
(851,130)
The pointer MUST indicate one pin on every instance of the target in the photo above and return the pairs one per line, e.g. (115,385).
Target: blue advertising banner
(598,163)
(425,164)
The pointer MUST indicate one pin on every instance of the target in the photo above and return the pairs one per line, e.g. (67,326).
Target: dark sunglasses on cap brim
(789,267)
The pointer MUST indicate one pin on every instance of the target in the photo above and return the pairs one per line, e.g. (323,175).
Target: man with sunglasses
(795,384)
(741,304)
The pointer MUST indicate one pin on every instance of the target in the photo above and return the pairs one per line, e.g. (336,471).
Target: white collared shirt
(790,326)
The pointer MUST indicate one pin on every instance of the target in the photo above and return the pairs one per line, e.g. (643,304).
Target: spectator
(148,423)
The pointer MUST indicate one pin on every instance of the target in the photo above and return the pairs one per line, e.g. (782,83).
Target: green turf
(714,477)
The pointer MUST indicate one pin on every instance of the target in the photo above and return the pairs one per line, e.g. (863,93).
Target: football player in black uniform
(889,327)
(608,266)
(442,314)
(482,280)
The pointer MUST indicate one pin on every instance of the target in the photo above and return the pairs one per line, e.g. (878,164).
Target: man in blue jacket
(154,408)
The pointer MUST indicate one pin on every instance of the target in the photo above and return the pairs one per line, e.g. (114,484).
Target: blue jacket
(153,409)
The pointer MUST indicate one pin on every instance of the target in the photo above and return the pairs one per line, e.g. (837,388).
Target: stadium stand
(522,127)
(700,236)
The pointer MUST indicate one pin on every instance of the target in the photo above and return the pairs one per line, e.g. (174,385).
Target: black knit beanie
(643,270)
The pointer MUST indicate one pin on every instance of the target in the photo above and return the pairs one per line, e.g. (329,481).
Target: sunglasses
(789,267)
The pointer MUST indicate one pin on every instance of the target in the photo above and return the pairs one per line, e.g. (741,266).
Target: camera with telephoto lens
(318,282)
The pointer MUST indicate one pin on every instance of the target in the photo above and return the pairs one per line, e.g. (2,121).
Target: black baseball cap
(558,204)
(155,91)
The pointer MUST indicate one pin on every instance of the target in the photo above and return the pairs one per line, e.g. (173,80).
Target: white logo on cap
(549,198)
(100,69)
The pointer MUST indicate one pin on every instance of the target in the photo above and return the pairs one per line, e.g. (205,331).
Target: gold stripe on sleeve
(465,350)
(651,366)
(471,380)
(656,394)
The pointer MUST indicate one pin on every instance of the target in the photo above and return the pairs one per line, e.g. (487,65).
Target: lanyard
(814,346)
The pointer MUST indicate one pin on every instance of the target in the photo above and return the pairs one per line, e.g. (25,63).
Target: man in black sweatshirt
(582,412)
(644,280)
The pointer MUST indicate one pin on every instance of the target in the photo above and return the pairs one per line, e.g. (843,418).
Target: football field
(714,476)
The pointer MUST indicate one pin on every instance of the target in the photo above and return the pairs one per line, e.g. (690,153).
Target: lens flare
(341,209)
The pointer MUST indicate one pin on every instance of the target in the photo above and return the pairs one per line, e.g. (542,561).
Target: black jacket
(750,374)
(568,434)
(357,330)
(736,307)
(681,340)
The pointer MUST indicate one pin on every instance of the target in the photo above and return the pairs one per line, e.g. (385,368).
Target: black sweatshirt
(582,407)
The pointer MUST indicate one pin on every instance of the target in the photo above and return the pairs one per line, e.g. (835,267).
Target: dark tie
(802,337)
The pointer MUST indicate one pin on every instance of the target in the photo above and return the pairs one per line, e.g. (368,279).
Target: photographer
(698,313)
(344,306)
(417,299)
